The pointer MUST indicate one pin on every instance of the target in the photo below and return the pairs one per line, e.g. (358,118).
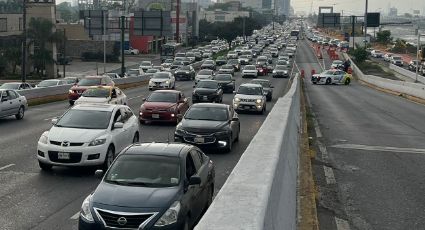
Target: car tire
(347,81)
(20,113)
(44,166)
(109,158)
(228,149)
(210,197)
(71,103)
(328,81)
(143,122)
(136,138)
(239,132)
(186,224)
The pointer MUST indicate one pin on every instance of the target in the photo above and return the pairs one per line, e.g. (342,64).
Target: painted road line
(323,151)
(315,123)
(75,216)
(131,98)
(341,224)
(7,166)
(329,175)
(379,148)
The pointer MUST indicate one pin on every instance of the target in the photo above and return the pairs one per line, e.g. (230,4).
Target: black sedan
(226,82)
(152,186)
(207,91)
(209,126)
(186,72)
(208,64)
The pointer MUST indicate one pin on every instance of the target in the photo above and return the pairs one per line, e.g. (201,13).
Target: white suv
(88,135)
(249,71)
(250,98)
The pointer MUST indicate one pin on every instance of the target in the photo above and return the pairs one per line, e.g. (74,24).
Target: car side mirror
(99,173)
(194,180)
(4,99)
(54,121)
(234,92)
(143,99)
(235,119)
(118,125)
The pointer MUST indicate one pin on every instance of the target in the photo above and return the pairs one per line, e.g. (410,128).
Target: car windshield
(186,67)
(207,84)
(223,77)
(337,62)
(133,72)
(249,90)
(265,84)
(168,61)
(209,62)
(151,71)
(145,63)
(233,61)
(89,82)
(144,171)
(96,93)
(250,67)
(396,58)
(227,67)
(206,113)
(47,83)
(161,76)
(280,67)
(10,86)
(205,72)
(85,119)
(162,97)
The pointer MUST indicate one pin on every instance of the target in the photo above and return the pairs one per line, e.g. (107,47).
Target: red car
(163,106)
(262,70)
(79,88)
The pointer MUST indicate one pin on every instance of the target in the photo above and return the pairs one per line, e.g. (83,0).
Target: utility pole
(24,41)
(353,21)
(365,22)
(122,45)
(243,28)
(104,40)
(64,52)
(178,21)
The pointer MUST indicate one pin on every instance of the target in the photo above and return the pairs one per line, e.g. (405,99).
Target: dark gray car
(207,91)
(267,87)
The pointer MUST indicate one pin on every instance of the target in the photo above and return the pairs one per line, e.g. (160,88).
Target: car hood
(204,91)
(93,100)
(249,70)
(224,82)
(244,96)
(77,87)
(74,134)
(159,80)
(158,105)
(202,125)
(203,76)
(134,196)
(182,71)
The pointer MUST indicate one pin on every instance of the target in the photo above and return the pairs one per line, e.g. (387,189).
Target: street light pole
(24,41)
(417,56)
(104,41)
(365,22)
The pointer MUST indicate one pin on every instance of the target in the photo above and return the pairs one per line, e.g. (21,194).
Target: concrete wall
(413,89)
(10,24)
(408,73)
(260,193)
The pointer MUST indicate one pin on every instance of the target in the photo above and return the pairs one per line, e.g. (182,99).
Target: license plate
(155,115)
(199,140)
(205,98)
(247,107)
(63,156)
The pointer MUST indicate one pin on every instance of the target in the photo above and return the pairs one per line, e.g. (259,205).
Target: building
(10,25)
(223,16)
(253,4)
(393,12)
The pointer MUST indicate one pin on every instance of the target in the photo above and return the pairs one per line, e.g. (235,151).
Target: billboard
(95,21)
(152,23)
(373,19)
(329,20)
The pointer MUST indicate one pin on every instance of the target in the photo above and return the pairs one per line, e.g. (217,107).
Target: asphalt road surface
(371,151)
(32,199)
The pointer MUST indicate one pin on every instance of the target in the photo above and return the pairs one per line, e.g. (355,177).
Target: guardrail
(412,89)
(407,73)
(260,193)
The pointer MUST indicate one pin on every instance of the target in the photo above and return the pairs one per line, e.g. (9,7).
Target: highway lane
(31,199)
(373,143)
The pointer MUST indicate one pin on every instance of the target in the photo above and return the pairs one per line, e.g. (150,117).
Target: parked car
(207,91)
(250,98)
(88,135)
(209,126)
(51,83)
(249,71)
(103,95)
(226,82)
(153,185)
(16,85)
(163,106)
(76,90)
(131,51)
(267,87)
(204,74)
(12,103)
(185,72)
(162,80)
(333,76)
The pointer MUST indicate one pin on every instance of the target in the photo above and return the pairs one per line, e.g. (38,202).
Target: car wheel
(210,197)
(186,224)
(136,137)
(20,113)
(228,149)
(239,131)
(44,166)
(328,81)
(71,103)
(109,158)
(347,81)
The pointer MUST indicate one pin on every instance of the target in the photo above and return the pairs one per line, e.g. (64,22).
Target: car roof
(265,80)
(250,85)
(166,91)
(210,105)
(96,107)
(101,87)
(94,77)
(157,149)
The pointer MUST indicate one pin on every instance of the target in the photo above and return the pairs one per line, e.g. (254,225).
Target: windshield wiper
(128,183)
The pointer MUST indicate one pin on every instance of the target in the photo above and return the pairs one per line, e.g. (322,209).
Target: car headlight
(180,131)
(170,216)
(274,71)
(71,91)
(151,83)
(85,212)
(258,101)
(97,142)
(43,138)
(237,99)
(167,82)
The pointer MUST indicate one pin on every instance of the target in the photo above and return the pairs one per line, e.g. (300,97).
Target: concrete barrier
(407,73)
(260,193)
(412,89)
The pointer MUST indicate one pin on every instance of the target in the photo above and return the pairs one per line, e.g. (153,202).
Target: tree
(13,56)
(359,54)
(67,12)
(40,33)
(384,37)
(407,15)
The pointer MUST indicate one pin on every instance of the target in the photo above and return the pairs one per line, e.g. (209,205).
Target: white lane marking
(131,98)
(75,216)
(341,224)
(329,175)
(379,148)
(7,166)
(317,128)
(49,119)
(324,151)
